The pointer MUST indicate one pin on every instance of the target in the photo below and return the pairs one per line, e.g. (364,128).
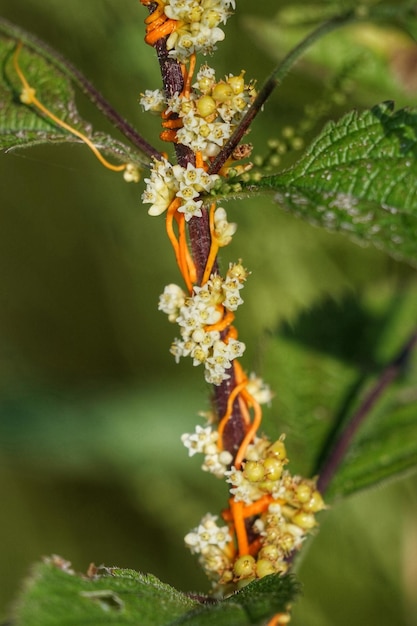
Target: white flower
(153,100)
(200,440)
(208,534)
(259,389)
(171,301)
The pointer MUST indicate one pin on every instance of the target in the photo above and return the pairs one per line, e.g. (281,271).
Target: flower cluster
(279,527)
(198,25)
(198,314)
(204,441)
(168,181)
(211,542)
(209,114)
(212,111)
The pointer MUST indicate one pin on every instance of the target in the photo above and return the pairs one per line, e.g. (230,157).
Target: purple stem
(200,240)
(388,375)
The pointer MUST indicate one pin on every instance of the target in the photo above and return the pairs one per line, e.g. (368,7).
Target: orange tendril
(158,25)
(199,161)
(237,509)
(222,324)
(280,619)
(184,261)
(257,419)
(189,76)
(214,247)
(229,408)
(28,97)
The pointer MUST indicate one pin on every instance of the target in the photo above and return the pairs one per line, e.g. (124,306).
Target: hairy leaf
(56,595)
(23,126)
(358,177)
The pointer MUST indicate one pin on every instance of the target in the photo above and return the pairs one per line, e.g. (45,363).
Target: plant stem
(69,70)
(200,241)
(274,80)
(387,376)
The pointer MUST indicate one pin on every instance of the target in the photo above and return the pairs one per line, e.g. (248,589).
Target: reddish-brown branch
(200,242)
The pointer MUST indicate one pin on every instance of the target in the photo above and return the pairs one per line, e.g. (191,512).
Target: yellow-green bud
(222,92)
(304,520)
(237,84)
(206,106)
(205,83)
(270,552)
(273,468)
(244,566)
(278,450)
(264,567)
(315,503)
(254,471)
(303,493)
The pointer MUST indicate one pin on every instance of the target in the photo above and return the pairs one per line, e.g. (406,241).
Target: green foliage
(337,347)
(56,595)
(376,57)
(358,177)
(22,126)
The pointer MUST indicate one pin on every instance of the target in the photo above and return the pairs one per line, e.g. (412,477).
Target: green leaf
(56,595)
(23,126)
(341,349)
(358,177)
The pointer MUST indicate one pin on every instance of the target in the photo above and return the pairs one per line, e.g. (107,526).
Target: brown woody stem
(200,242)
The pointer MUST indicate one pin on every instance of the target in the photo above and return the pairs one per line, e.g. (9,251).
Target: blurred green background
(92,405)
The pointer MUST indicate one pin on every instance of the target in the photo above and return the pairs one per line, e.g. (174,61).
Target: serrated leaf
(22,126)
(56,595)
(359,177)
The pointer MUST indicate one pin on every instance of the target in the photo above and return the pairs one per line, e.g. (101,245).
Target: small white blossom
(171,301)
(153,100)
(259,389)
(207,534)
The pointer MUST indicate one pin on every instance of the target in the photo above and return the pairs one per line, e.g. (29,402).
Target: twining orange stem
(187,84)
(236,509)
(214,247)
(158,25)
(199,161)
(186,263)
(229,408)
(28,97)
(251,432)
(222,324)
(171,214)
(155,34)
(258,507)
(280,619)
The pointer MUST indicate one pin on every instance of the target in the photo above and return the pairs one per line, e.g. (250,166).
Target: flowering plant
(358,176)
